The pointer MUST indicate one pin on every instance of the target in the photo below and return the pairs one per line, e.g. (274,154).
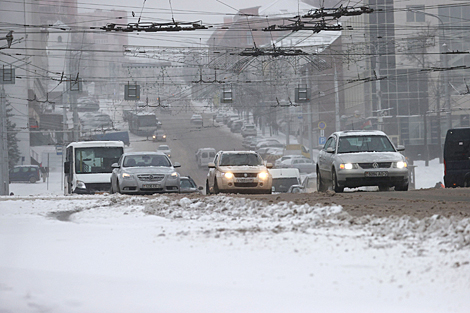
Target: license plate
(376,174)
(151,186)
(245,180)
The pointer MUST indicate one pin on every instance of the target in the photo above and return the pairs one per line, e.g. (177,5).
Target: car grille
(245,174)
(375,165)
(246,185)
(151,177)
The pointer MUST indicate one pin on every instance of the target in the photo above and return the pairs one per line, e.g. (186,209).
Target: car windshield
(238,159)
(351,144)
(282,184)
(146,160)
(186,183)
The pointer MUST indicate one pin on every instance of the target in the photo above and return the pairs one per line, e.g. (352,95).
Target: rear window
(457,145)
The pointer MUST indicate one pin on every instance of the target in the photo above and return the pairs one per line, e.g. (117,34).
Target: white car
(351,159)
(144,173)
(165,149)
(238,172)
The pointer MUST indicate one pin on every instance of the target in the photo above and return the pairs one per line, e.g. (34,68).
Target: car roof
(143,152)
(239,152)
(346,133)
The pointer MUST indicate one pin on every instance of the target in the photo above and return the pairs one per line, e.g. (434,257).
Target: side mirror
(211,165)
(400,148)
(66,167)
(330,150)
(200,188)
(269,165)
(115,165)
(177,164)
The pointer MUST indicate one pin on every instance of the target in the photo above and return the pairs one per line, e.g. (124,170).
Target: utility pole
(4,172)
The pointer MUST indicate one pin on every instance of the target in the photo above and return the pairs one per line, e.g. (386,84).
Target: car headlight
(154,136)
(126,175)
(228,175)
(174,174)
(348,166)
(401,164)
(81,184)
(164,136)
(263,175)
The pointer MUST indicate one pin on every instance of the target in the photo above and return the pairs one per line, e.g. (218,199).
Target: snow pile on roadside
(236,213)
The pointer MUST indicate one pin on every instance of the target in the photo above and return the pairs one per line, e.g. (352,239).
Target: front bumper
(136,186)
(250,185)
(382,176)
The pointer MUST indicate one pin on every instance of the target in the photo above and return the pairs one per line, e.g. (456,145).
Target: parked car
(248,130)
(361,158)
(188,185)
(236,126)
(159,135)
(238,172)
(196,119)
(310,183)
(165,149)
(273,143)
(87,104)
(457,158)
(144,173)
(25,173)
(304,165)
(277,163)
(204,156)
(284,178)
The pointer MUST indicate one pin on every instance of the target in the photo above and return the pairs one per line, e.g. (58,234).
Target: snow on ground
(114,253)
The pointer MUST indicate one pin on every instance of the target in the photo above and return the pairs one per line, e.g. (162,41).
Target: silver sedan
(145,173)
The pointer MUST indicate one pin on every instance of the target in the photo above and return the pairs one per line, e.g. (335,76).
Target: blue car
(24,173)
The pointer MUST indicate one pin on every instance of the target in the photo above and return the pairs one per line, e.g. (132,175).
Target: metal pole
(4,174)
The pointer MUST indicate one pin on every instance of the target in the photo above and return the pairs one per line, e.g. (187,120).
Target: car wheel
(334,182)
(32,180)
(216,187)
(403,187)
(320,185)
(384,188)
(118,189)
(208,190)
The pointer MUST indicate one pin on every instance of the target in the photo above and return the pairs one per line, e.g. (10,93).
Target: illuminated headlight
(263,175)
(81,184)
(154,136)
(228,175)
(164,136)
(401,164)
(126,175)
(348,166)
(174,174)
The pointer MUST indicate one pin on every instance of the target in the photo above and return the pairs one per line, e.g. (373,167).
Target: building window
(415,13)
(59,39)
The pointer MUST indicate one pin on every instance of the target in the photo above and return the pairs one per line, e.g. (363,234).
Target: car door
(211,173)
(325,159)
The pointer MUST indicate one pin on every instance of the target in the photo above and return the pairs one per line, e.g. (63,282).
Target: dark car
(188,185)
(457,158)
(31,173)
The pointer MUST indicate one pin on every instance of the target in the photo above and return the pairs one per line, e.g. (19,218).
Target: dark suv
(31,173)
(457,158)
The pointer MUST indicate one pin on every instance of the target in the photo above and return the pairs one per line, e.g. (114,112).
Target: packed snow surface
(115,253)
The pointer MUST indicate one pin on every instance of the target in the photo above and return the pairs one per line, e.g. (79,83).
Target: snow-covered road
(222,254)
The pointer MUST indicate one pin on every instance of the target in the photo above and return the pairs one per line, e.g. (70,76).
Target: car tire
(384,188)
(216,187)
(118,189)
(320,185)
(402,187)
(334,182)
(208,190)
(32,180)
